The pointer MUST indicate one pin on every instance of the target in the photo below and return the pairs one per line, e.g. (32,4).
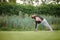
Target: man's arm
(35,24)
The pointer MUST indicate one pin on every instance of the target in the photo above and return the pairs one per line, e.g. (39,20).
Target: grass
(29,35)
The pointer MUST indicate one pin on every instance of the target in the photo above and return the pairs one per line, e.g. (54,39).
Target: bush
(9,9)
(14,9)
(26,23)
(51,9)
(23,21)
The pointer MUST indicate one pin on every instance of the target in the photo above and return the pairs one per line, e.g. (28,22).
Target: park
(16,22)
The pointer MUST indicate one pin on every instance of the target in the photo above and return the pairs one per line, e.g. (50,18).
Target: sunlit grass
(29,35)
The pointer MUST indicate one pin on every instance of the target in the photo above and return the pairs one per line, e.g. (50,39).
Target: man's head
(33,16)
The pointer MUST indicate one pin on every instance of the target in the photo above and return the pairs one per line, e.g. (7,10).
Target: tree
(37,1)
(24,2)
(3,1)
(30,2)
(12,1)
(43,1)
(57,1)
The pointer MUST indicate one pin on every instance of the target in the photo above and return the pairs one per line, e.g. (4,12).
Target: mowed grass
(29,35)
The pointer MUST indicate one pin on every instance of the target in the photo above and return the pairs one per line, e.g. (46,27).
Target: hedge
(51,9)
(14,9)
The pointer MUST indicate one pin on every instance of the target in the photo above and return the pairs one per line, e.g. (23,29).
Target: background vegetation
(18,17)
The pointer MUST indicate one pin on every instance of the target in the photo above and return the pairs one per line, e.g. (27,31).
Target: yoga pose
(40,20)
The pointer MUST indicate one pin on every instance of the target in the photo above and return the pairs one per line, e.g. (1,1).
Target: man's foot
(51,30)
(35,30)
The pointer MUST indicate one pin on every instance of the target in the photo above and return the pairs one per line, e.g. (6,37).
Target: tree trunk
(12,1)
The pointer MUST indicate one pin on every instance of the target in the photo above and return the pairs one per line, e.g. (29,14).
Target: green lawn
(29,35)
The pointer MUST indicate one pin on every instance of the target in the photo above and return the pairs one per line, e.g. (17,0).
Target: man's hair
(33,16)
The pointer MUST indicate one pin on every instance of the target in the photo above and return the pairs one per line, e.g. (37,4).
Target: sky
(21,2)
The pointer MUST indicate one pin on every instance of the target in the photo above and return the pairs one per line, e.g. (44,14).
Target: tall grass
(26,22)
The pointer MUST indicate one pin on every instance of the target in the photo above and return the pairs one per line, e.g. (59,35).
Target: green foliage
(12,1)
(8,9)
(14,9)
(26,23)
(51,9)
(29,9)
(16,23)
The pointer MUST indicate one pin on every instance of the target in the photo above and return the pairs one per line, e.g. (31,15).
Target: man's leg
(46,24)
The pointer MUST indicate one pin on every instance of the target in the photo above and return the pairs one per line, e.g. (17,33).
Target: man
(40,20)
